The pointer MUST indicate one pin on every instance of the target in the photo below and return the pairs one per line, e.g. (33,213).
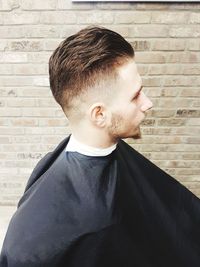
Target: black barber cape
(120,210)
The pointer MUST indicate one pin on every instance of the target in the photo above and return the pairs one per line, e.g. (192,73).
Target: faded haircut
(83,60)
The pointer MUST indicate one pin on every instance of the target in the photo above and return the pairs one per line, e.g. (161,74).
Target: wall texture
(166,38)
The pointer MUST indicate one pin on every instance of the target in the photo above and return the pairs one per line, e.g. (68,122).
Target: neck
(93,138)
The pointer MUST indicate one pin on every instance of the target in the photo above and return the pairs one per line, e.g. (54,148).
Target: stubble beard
(116,132)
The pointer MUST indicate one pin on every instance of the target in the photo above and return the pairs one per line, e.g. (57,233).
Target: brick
(4,140)
(194,45)
(64,131)
(47,102)
(190,92)
(95,17)
(11,131)
(193,122)
(184,57)
(169,45)
(35,112)
(161,113)
(38,5)
(193,70)
(18,164)
(13,57)
(156,131)
(149,31)
(196,103)
(39,130)
(148,122)
(59,113)
(123,30)
(23,102)
(20,18)
(2,103)
(41,81)
(189,131)
(26,139)
(184,31)
(19,80)
(152,91)
(191,140)
(177,164)
(58,17)
(194,17)
(4,122)
(173,102)
(25,46)
(12,32)
(30,69)
(4,156)
(24,122)
(43,31)
(181,81)
(187,113)
(165,69)
(8,92)
(35,92)
(67,30)
(50,45)
(171,122)
(3,45)
(169,17)
(8,5)
(149,57)
(39,57)
(142,69)
(187,171)
(53,122)
(10,112)
(29,155)
(191,156)
(51,139)
(140,45)
(132,17)
(151,81)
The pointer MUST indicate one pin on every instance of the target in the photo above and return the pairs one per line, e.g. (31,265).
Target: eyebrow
(136,93)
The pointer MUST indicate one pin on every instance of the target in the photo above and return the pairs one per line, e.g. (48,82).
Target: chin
(137,134)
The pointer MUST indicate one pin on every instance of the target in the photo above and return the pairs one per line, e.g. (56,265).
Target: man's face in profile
(129,106)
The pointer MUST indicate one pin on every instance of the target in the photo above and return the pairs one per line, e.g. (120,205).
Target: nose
(146,103)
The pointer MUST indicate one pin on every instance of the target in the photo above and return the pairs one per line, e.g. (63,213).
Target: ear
(97,114)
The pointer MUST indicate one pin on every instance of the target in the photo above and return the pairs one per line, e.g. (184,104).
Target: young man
(95,201)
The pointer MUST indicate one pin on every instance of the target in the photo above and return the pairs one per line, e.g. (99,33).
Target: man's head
(93,77)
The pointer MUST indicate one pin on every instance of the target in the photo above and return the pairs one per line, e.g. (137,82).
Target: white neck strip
(75,146)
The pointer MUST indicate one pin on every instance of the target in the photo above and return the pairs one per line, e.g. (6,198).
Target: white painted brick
(58,17)
(13,57)
(8,5)
(38,5)
(132,17)
(184,31)
(169,17)
(18,18)
(95,17)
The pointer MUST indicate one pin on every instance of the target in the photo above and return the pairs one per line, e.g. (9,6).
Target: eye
(136,96)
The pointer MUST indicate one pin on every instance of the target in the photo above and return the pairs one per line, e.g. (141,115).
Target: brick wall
(166,38)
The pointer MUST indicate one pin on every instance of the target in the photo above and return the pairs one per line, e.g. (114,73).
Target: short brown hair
(81,59)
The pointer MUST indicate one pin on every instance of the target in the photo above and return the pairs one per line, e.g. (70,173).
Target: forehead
(130,80)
